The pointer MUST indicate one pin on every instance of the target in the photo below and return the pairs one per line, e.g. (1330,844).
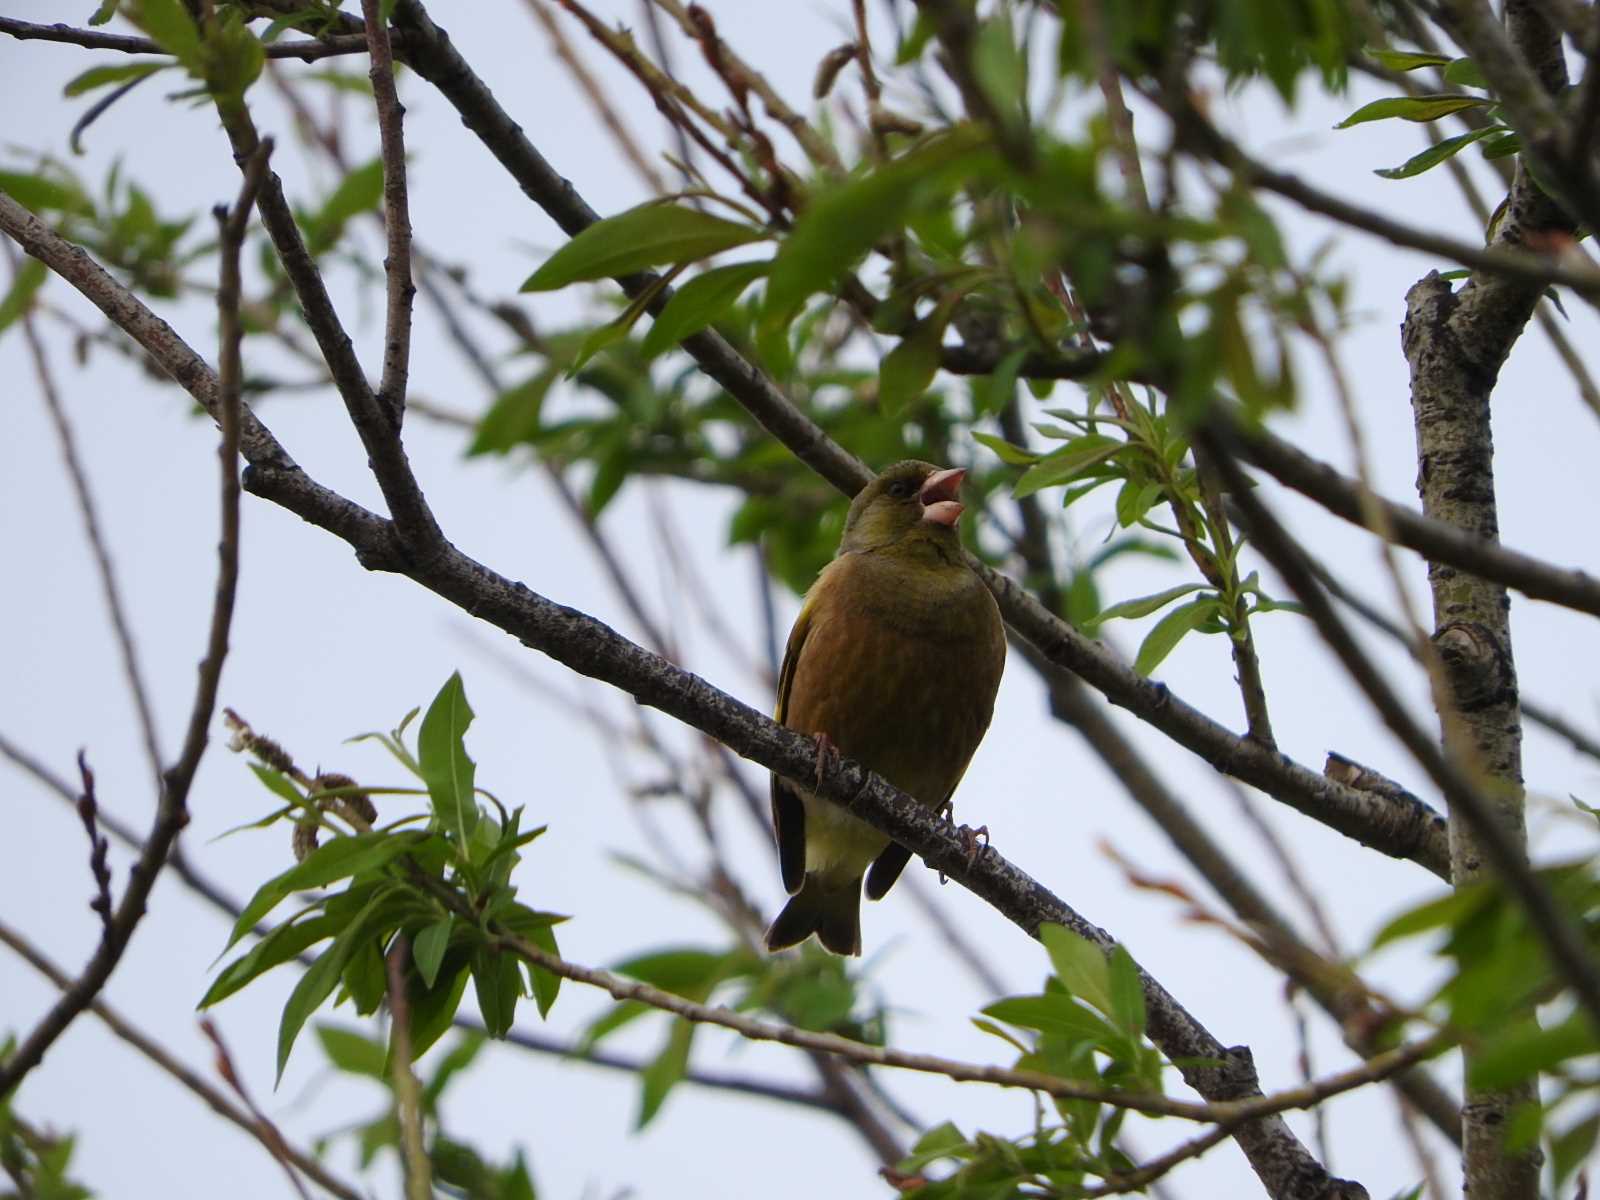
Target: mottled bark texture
(1456,343)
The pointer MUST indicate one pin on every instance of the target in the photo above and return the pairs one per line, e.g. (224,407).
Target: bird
(894,661)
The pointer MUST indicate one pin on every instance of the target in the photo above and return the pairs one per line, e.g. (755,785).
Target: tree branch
(396,218)
(305,51)
(1437,541)
(1230,1113)
(172,812)
(214,1099)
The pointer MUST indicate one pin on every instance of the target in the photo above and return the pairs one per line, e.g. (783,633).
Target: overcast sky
(324,650)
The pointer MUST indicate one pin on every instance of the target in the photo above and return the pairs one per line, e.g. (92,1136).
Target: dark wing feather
(788,810)
(886,869)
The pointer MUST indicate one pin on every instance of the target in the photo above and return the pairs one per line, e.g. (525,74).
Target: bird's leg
(968,835)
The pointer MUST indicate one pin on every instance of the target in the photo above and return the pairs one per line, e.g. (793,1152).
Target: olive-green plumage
(895,659)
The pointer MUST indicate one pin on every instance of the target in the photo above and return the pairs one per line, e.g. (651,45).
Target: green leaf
(433,1009)
(321,977)
(662,1073)
(1014,456)
(546,985)
(1406,60)
(1450,909)
(686,972)
(279,784)
(338,859)
(1526,1050)
(700,302)
(942,1141)
(1437,153)
(428,947)
(278,946)
(1171,630)
(442,758)
(358,192)
(1503,147)
(1127,992)
(514,417)
(1143,606)
(1463,72)
(647,236)
(352,1052)
(96,77)
(843,222)
(107,10)
(30,274)
(366,977)
(169,23)
(1412,108)
(908,369)
(39,194)
(1053,1013)
(497,978)
(1066,464)
(1079,964)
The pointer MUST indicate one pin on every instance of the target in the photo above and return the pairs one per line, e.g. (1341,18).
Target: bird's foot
(969,838)
(827,756)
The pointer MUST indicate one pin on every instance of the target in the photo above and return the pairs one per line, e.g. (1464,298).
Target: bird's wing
(887,866)
(788,810)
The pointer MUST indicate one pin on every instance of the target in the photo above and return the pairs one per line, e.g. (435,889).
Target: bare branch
(1230,1113)
(396,218)
(214,1099)
(109,586)
(172,812)
(407,1091)
(305,51)
(1435,540)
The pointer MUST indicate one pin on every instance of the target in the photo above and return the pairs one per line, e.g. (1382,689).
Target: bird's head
(909,503)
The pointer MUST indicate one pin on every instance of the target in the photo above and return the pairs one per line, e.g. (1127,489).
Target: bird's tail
(825,908)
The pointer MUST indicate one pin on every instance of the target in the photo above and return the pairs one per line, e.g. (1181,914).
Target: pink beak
(939,496)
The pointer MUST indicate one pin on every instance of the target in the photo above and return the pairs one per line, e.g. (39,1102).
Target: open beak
(939,496)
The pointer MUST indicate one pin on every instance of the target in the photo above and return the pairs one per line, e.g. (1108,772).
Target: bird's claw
(827,756)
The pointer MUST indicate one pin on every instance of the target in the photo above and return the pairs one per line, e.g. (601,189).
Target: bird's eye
(900,489)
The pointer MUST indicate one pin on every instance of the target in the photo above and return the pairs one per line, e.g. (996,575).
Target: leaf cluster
(443,890)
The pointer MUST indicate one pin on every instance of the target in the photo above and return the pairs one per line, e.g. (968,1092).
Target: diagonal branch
(213,1097)
(1435,540)
(91,39)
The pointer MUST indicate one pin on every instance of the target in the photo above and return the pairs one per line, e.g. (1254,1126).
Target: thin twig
(1230,1112)
(396,218)
(89,813)
(214,1099)
(271,1137)
(110,589)
(305,50)
(172,812)
(407,1091)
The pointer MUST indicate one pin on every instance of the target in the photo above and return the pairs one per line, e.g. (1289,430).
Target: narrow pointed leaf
(648,236)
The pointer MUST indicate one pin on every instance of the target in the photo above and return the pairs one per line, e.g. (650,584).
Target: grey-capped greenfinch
(894,661)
